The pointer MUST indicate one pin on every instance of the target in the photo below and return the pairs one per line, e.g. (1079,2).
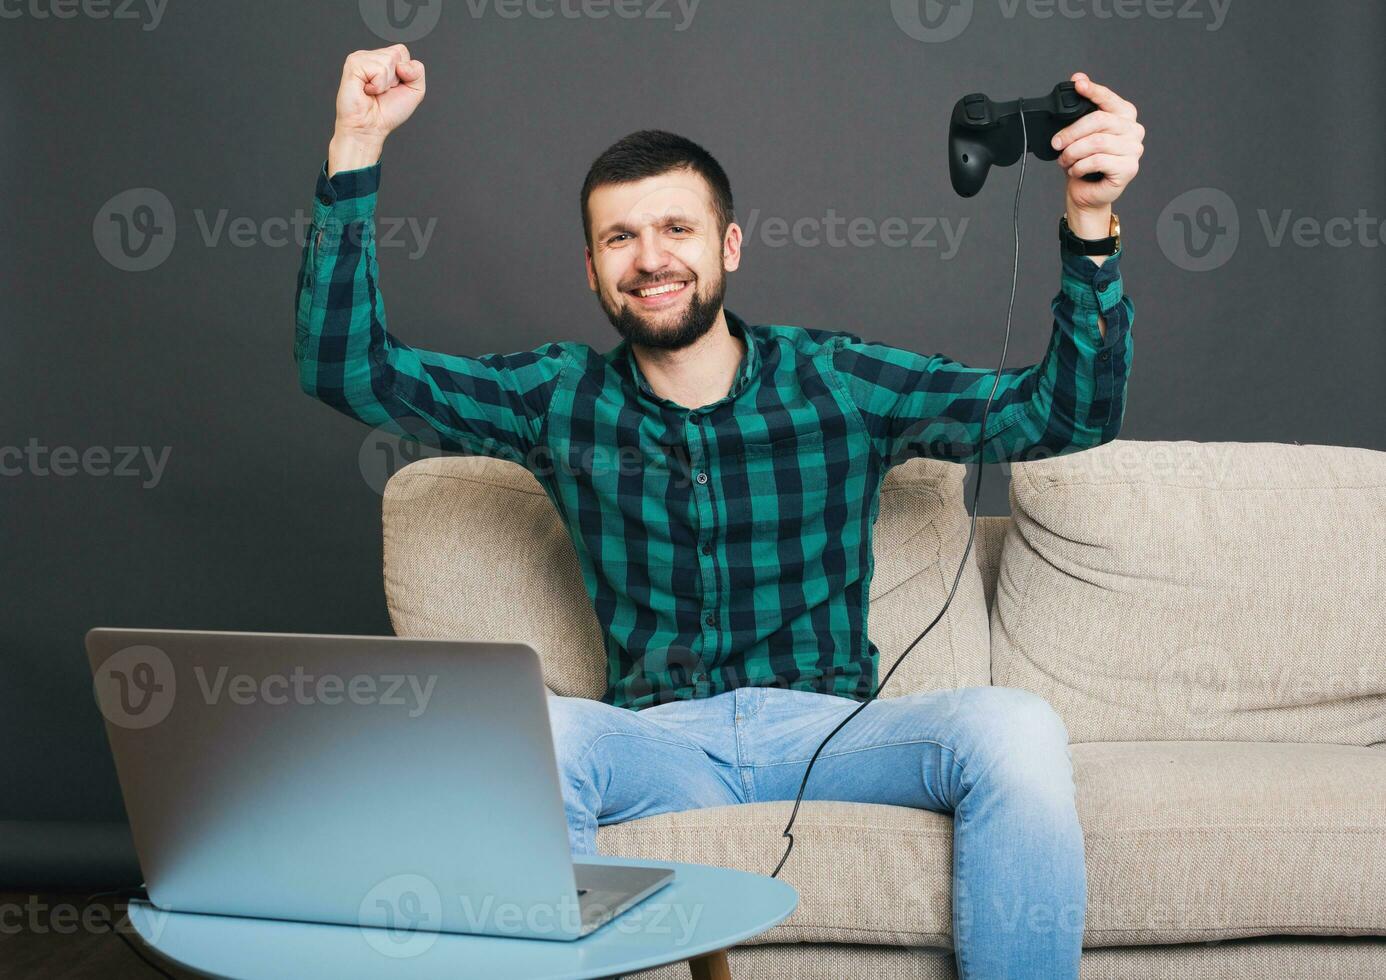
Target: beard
(696,319)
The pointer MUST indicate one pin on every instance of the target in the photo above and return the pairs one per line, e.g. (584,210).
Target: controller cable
(976,494)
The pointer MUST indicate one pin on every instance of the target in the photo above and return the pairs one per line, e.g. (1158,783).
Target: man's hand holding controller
(380,89)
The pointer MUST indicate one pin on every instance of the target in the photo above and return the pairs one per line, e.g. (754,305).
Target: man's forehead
(678,194)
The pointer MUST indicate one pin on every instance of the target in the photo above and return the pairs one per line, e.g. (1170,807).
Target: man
(720,481)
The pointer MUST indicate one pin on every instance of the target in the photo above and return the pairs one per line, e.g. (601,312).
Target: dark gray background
(263,519)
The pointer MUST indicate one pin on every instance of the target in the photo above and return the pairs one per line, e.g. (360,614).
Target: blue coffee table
(696,917)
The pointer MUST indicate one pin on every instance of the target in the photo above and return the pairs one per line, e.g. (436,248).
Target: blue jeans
(996,758)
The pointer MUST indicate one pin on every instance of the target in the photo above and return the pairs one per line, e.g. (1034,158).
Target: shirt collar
(747,371)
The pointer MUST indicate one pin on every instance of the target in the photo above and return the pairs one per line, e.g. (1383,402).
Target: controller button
(1068,99)
(975,108)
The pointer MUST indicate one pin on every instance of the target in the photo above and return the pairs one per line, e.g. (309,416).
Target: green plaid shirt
(728,545)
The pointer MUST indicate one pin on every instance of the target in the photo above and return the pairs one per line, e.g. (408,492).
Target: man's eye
(677,229)
(616,237)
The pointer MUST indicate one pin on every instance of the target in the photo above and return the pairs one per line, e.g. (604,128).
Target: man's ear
(591,272)
(731,248)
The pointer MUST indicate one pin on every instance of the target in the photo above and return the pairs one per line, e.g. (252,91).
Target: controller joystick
(983,134)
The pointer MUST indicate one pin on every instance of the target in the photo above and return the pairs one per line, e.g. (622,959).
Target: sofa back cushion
(1185,590)
(474,549)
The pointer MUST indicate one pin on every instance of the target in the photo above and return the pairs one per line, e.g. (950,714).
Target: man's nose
(652,255)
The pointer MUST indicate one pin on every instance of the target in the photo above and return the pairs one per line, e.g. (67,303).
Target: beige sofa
(1206,617)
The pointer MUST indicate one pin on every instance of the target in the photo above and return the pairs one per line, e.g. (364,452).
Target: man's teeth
(659,290)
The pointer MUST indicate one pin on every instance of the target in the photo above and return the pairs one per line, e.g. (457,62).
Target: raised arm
(490,405)
(1075,398)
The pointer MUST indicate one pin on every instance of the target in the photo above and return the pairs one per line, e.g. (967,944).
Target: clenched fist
(380,89)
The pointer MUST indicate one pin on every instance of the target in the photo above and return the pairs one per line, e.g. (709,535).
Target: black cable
(976,494)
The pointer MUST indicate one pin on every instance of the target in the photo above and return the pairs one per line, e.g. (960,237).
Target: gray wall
(263,516)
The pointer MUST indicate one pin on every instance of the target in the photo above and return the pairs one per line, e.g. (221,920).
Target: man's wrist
(348,151)
(1091,223)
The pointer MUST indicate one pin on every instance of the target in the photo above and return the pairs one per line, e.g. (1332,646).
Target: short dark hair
(648,153)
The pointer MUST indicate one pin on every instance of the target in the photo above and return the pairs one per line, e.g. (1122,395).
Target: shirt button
(702,477)
(707,549)
(325,199)
(1105,356)
(710,619)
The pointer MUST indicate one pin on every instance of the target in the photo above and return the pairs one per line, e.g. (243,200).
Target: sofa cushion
(1198,840)
(474,549)
(1185,841)
(1185,590)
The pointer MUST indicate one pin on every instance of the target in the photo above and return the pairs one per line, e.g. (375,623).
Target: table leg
(711,966)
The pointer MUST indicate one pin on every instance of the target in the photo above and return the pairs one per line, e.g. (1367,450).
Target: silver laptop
(375,781)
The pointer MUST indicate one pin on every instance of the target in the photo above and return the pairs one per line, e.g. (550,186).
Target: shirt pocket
(786,484)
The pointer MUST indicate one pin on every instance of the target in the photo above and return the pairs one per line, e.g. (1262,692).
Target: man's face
(657,261)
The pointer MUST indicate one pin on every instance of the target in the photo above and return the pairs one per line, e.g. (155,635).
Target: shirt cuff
(348,195)
(1095,289)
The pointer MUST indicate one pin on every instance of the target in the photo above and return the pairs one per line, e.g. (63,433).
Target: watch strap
(1086,246)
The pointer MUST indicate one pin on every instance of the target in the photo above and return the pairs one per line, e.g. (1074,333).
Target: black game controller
(983,133)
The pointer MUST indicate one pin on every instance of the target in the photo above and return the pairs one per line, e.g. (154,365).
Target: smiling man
(720,482)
